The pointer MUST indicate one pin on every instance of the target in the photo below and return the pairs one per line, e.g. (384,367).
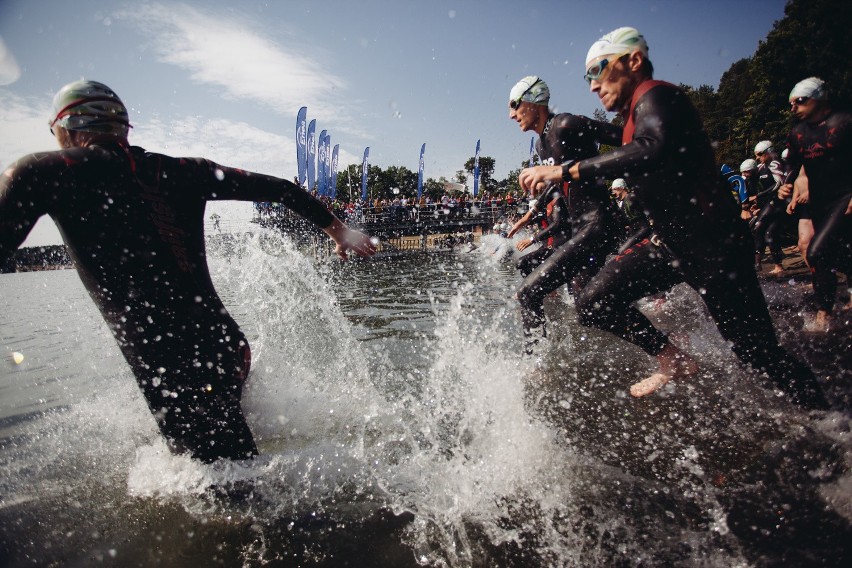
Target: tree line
(751,103)
(812,39)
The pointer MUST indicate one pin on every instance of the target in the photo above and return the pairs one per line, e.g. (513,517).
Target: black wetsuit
(634,221)
(772,218)
(825,150)
(699,238)
(133,225)
(594,228)
(552,210)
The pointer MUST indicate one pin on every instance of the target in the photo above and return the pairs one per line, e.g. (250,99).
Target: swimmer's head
(762,147)
(748,165)
(89,106)
(530,89)
(619,41)
(810,88)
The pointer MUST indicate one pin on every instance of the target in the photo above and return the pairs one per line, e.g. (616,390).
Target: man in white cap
(820,151)
(771,217)
(581,220)
(748,167)
(636,227)
(698,236)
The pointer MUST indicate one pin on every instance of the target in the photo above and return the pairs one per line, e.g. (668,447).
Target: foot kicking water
(674,364)
(820,323)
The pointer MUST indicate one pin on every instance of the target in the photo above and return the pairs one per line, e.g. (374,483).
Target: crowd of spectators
(409,209)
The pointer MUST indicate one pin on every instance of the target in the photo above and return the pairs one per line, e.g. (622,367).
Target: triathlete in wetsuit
(594,228)
(634,221)
(820,148)
(133,225)
(772,217)
(555,231)
(698,238)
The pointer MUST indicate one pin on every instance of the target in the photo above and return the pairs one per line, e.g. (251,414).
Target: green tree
(486,171)
(735,88)
(402,178)
(510,184)
(349,183)
(751,103)
(434,188)
(599,114)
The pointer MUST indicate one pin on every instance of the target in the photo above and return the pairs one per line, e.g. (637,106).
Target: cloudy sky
(224,79)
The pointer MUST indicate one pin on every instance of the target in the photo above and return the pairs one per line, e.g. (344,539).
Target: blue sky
(224,79)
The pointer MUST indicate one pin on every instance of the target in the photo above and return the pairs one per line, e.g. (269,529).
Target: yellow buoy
(18,358)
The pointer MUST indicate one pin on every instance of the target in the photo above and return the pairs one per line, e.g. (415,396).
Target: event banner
(364,166)
(476,171)
(420,172)
(312,153)
(333,182)
(302,143)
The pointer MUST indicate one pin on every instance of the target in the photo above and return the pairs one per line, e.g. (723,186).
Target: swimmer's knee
(528,296)
(588,308)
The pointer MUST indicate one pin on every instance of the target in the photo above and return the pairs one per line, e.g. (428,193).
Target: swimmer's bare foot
(778,270)
(674,364)
(820,323)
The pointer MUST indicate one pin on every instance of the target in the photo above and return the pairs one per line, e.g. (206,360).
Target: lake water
(400,426)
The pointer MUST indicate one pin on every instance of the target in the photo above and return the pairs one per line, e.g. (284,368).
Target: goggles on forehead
(594,72)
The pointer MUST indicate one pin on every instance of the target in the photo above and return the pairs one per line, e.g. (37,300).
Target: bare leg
(820,323)
(806,233)
(777,270)
(673,364)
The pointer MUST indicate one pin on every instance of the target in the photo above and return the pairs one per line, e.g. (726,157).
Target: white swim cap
(622,40)
(762,146)
(619,184)
(89,106)
(748,165)
(530,89)
(785,153)
(811,88)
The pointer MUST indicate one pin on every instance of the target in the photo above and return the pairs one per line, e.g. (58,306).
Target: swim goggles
(594,72)
(515,103)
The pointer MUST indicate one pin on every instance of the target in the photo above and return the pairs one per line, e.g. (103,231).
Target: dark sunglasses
(514,104)
(799,101)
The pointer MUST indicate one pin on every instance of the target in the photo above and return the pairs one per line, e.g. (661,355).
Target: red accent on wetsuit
(630,125)
(548,212)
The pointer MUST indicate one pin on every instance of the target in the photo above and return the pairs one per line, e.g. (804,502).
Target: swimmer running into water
(133,224)
(698,235)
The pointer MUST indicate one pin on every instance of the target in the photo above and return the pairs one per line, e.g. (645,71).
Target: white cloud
(220,50)
(25,131)
(25,127)
(227,142)
(9,69)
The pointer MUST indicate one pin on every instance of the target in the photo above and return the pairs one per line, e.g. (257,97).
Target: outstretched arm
(349,239)
(19,209)
(250,186)
(521,223)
